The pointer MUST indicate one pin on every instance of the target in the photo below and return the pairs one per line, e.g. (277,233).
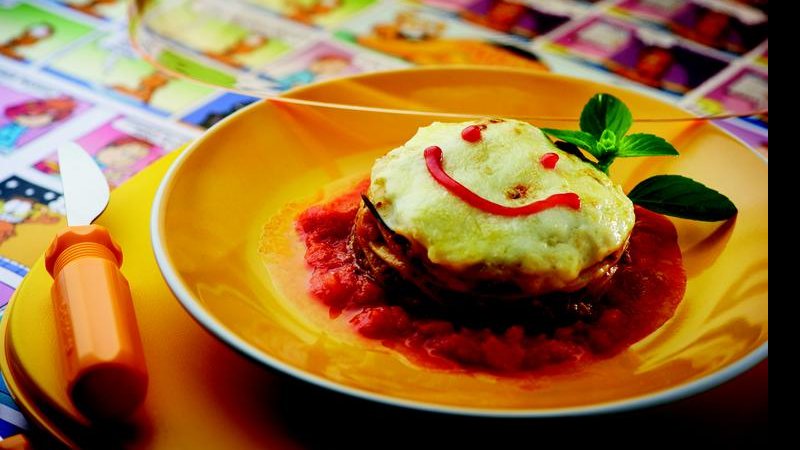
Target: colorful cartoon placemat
(68,73)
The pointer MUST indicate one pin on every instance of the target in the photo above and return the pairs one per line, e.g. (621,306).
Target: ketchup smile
(433,160)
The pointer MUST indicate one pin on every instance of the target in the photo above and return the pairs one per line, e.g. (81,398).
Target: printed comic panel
(30,215)
(28,112)
(730,27)
(643,55)
(29,33)
(526,20)
(450,5)
(115,10)
(325,13)
(231,36)
(669,66)
(654,10)
(217,109)
(108,65)
(595,39)
(325,60)
(424,36)
(742,91)
(121,147)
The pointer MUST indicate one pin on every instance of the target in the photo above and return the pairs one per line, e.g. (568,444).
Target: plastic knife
(102,352)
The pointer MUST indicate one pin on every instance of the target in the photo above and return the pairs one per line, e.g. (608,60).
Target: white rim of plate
(208,321)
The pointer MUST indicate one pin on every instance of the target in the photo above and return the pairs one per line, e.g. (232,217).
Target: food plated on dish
(485,246)
(273,158)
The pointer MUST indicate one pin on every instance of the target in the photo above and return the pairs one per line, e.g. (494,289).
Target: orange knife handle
(16,442)
(103,357)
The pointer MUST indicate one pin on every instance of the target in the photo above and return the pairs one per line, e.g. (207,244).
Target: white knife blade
(86,190)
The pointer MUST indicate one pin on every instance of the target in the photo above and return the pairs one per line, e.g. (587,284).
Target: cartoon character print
(322,67)
(306,12)
(117,158)
(710,28)
(30,36)
(92,7)
(243,46)
(501,15)
(513,17)
(652,64)
(32,114)
(421,40)
(146,88)
(735,30)
(17,208)
(408,26)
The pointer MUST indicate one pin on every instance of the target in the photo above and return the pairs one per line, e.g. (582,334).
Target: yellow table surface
(203,395)
(196,393)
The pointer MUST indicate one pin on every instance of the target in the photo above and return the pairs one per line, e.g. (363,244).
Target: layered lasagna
(452,249)
(484,246)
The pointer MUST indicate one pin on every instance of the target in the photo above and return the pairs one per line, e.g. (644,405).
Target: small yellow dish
(252,168)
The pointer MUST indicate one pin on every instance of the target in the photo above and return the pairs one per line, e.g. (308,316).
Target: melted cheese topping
(504,167)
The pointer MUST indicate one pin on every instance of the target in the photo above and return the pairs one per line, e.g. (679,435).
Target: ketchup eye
(549,160)
(471,134)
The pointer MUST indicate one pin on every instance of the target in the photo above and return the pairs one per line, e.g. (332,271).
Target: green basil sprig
(604,124)
(679,196)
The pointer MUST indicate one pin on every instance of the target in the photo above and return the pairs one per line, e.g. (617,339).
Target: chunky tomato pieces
(642,295)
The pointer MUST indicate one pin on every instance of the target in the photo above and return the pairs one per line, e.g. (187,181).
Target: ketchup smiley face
(435,164)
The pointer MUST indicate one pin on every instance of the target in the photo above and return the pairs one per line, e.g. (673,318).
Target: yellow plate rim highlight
(209,322)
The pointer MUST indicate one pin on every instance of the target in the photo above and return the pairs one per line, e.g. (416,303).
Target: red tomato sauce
(643,294)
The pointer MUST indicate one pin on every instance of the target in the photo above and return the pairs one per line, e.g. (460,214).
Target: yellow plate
(212,206)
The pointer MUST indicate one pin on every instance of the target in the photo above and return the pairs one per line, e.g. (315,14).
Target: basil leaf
(578,138)
(679,196)
(604,111)
(642,144)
